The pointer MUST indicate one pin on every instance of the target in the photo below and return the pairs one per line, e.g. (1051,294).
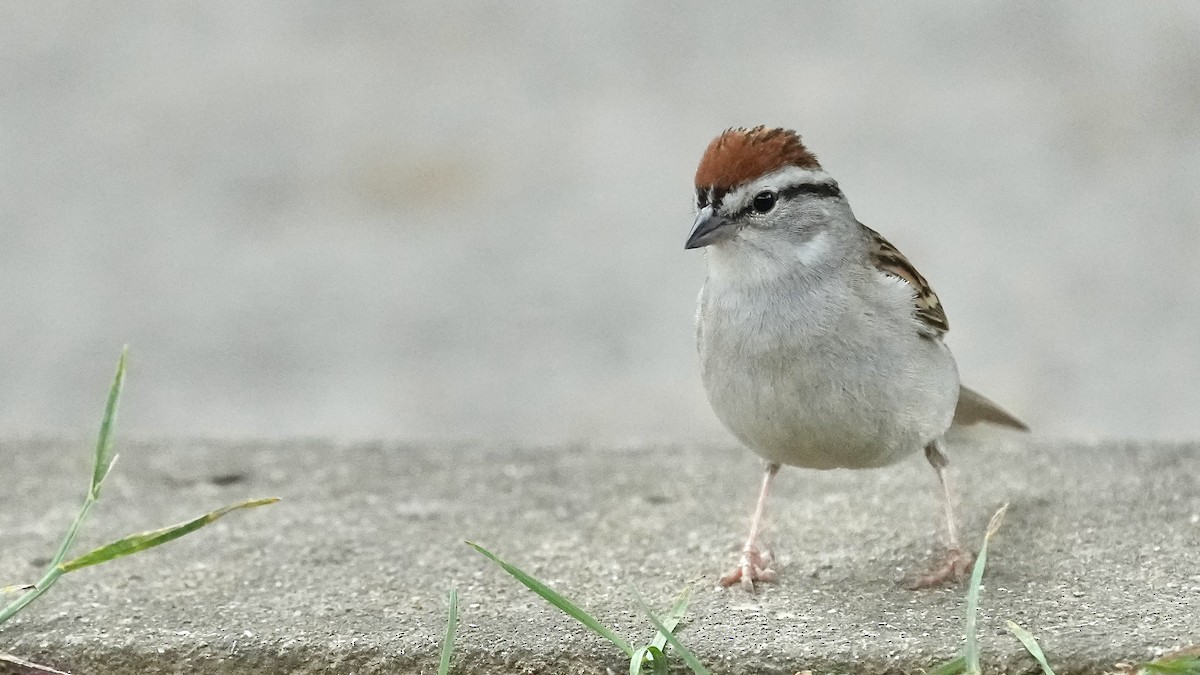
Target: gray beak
(709,229)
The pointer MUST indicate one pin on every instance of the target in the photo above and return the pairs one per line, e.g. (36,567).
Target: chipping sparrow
(820,344)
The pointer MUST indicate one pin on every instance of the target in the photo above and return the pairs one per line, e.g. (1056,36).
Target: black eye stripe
(821,189)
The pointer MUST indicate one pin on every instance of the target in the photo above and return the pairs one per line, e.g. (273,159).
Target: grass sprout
(1031,646)
(953,667)
(1183,662)
(672,620)
(144,540)
(968,662)
(651,655)
(448,640)
(668,635)
(103,460)
(551,596)
(971,652)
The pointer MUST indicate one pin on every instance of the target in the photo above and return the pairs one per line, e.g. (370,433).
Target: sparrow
(820,344)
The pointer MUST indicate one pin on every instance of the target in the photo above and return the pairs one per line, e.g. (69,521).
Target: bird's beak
(709,229)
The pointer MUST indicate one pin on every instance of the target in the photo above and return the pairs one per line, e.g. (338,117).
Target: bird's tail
(974,407)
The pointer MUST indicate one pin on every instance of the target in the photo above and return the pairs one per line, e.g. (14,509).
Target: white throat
(750,259)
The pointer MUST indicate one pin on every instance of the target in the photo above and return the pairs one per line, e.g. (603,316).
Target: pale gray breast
(834,377)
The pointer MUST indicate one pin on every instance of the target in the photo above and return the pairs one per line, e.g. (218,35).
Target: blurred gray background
(427,219)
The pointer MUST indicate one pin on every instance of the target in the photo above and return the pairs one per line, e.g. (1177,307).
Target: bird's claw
(755,566)
(955,567)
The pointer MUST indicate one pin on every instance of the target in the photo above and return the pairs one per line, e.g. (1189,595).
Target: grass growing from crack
(1185,662)
(448,641)
(968,662)
(1030,644)
(104,458)
(650,656)
(666,634)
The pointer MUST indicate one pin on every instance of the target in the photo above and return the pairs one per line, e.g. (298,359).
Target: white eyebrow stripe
(777,181)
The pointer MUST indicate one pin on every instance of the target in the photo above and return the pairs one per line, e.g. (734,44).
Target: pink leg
(756,563)
(957,561)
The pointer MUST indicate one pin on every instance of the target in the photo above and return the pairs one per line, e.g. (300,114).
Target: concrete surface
(419,218)
(1100,556)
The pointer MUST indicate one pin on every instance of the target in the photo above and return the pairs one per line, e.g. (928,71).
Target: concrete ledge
(1099,558)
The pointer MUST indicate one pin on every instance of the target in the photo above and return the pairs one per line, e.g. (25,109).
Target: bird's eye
(764,201)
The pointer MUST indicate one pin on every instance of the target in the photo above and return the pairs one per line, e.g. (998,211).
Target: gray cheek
(759,223)
(803,219)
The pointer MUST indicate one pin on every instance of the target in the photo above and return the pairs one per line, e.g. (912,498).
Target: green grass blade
(101,466)
(550,595)
(102,462)
(1031,646)
(971,651)
(104,444)
(9,658)
(448,641)
(144,540)
(1184,665)
(651,655)
(658,661)
(687,656)
(673,618)
(637,659)
(958,665)
(30,595)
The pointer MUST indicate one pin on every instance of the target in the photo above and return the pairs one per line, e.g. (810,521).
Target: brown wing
(892,262)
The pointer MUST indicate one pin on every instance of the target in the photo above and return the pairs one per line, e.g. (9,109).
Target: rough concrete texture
(1098,557)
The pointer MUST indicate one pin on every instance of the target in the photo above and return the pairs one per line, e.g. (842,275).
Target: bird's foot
(954,567)
(755,566)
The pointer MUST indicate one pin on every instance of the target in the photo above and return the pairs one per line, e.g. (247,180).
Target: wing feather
(972,406)
(889,260)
